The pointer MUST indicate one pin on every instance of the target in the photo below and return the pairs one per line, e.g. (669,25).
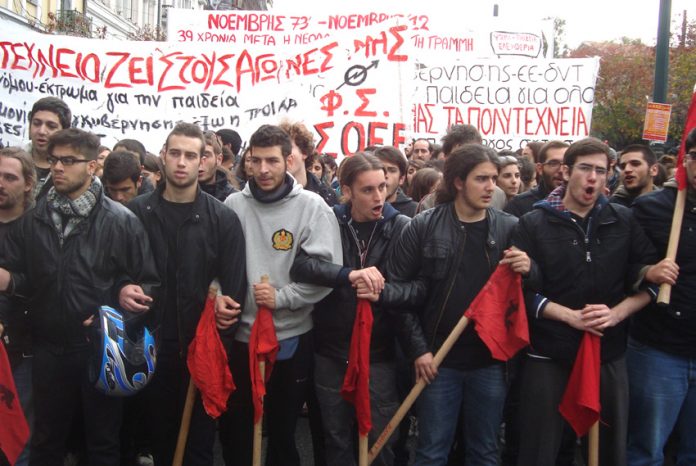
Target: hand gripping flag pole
(663,297)
(501,322)
(263,348)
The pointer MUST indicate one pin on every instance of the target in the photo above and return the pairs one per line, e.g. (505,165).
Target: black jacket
(65,285)
(316,186)
(221,188)
(428,258)
(577,269)
(210,245)
(334,315)
(523,203)
(671,329)
(405,204)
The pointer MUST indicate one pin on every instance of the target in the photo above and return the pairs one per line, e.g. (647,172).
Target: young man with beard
(550,177)
(638,165)
(17,179)
(76,251)
(369,230)
(48,116)
(445,256)
(284,219)
(195,239)
(589,256)
(662,346)
(395,165)
(211,178)
(302,146)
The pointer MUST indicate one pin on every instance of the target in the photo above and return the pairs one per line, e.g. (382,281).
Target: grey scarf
(75,211)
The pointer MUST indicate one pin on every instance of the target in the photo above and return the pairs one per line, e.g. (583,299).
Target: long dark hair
(458,166)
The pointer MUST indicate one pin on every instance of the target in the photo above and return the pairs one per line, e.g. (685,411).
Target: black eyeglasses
(67,161)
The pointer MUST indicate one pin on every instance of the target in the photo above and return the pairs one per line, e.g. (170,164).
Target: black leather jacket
(334,315)
(210,245)
(67,284)
(428,258)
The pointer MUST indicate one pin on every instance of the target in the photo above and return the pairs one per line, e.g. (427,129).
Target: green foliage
(625,86)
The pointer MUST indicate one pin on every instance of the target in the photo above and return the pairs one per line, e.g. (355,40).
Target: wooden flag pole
(593,445)
(258,426)
(416,390)
(363,456)
(185,425)
(663,297)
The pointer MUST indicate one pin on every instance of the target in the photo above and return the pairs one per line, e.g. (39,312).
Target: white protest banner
(348,89)
(510,101)
(427,34)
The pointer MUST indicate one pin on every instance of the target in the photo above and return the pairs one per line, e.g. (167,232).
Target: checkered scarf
(75,211)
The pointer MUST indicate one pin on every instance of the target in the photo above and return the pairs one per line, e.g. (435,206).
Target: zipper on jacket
(449,291)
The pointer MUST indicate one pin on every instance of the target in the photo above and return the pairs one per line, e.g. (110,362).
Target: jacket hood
(342,212)
(401,197)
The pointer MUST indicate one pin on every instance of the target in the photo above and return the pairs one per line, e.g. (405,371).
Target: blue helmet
(121,366)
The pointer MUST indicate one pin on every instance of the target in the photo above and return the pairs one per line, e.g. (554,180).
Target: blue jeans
(662,399)
(22,377)
(479,395)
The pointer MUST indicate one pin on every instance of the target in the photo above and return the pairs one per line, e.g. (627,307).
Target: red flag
(356,383)
(14,430)
(500,315)
(208,365)
(580,404)
(263,347)
(680,174)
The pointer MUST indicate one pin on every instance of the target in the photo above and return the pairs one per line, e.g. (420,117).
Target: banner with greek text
(511,102)
(348,90)
(355,88)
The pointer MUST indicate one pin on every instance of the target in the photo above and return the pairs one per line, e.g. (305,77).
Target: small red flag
(356,383)
(500,314)
(263,347)
(208,365)
(580,404)
(680,174)
(14,430)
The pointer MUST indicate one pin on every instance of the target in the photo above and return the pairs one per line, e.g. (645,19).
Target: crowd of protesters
(416,233)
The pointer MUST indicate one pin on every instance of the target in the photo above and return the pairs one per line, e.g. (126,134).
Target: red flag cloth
(680,174)
(208,365)
(263,347)
(500,314)
(14,430)
(356,383)
(580,404)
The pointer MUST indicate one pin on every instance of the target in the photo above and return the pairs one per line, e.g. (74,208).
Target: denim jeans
(480,395)
(662,399)
(338,416)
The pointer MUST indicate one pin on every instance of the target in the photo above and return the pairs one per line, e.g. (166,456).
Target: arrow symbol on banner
(357,74)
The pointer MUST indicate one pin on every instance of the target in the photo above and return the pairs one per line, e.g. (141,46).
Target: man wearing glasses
(76,251)
(550,177)
(592,256)
(662,346)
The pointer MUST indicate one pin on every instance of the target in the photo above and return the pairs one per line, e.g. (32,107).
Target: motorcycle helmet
(125,356)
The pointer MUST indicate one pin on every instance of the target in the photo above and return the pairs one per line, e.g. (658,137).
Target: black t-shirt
(42,174)
(468,352)
(363,233)
(174,215)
